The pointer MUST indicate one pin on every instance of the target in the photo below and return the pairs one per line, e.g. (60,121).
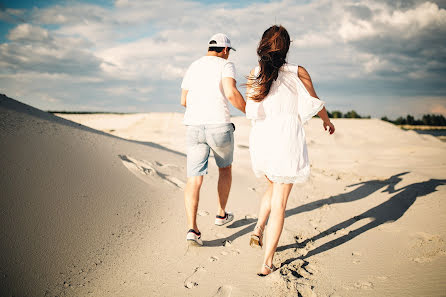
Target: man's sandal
(256,240)
(271,269)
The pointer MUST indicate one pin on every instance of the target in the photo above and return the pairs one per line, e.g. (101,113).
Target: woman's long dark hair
(272,51)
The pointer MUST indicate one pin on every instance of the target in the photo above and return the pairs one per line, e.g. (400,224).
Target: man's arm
(233,95)
(183,97)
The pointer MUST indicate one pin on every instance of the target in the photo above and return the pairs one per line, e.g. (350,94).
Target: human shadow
(365,189)
(388,211)
(10,108)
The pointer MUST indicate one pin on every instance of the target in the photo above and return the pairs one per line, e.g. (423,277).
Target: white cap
(222,41)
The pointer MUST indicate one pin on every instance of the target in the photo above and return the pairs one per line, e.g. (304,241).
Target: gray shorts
(201,139)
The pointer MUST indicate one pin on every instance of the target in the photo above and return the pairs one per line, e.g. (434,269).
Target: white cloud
(27,32)
(313,40)
(32,48)
(124,49)
(71,13)
(396,23)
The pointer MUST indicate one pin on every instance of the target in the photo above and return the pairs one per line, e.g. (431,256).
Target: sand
(92,205)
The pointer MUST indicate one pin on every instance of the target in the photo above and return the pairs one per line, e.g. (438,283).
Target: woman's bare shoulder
(303,73)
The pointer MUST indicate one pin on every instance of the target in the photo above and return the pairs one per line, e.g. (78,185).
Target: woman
(281,98)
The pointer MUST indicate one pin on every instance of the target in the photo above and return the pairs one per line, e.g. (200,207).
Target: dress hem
(302,176)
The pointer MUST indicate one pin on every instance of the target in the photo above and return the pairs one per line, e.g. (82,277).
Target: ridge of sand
(100,213)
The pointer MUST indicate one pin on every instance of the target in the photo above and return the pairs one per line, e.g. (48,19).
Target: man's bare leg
(191,199)
(224,186)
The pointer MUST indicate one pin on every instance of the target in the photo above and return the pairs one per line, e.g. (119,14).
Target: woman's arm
(306,80)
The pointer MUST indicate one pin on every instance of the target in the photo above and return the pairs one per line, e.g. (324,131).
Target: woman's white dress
(277,141)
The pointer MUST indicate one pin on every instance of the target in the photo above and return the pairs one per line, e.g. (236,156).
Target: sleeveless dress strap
(292,68)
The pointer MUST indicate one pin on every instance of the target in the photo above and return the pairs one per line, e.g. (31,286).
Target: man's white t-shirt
(206,102)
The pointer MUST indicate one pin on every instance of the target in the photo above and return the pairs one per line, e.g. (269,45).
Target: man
(207,86)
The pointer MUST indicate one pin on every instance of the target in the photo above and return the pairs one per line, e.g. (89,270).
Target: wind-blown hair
(272,52)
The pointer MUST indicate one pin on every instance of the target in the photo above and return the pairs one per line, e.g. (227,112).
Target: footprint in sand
(325,207)
(250,217)
(147,171)
(220,235)
(165,165)
(422,260)
(315,222)
(235,252)
(356,260)
(223,291)
(213,259)
(227,243)
(305,290)
(427,247)
(297,270)
(341,232)
(193,280)
(363,285)
(203,213)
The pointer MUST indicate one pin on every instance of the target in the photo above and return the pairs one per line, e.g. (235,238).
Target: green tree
(336,114)
(352,115)
(400,121)
(427,119)
(438,120)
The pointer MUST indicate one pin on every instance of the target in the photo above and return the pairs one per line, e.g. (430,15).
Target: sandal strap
(271,269)
(261,230)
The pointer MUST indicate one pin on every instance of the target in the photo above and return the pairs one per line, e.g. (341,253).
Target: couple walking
(280,99)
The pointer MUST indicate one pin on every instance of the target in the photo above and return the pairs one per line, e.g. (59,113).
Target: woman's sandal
(256,240)
(271,270)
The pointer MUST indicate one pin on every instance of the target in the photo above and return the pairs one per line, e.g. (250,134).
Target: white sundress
(277,140)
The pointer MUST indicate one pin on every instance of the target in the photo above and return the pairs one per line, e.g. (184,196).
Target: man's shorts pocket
(222,139)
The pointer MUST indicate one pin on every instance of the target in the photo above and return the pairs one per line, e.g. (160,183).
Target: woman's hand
(329,124)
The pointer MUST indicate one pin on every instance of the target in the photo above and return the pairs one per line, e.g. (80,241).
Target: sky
(382,57)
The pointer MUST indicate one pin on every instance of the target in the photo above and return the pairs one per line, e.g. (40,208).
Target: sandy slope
(86,213)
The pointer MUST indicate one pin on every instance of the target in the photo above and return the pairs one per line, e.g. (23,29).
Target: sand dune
(98,211)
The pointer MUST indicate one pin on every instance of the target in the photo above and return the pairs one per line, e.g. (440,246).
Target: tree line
(336,114)
(427,119)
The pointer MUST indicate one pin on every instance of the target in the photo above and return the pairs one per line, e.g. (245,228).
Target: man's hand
(331,127)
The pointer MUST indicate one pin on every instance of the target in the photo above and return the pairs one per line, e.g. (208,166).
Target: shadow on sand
(364,190)
(388,211)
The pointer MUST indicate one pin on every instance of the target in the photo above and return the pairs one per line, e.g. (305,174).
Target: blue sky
(378,57)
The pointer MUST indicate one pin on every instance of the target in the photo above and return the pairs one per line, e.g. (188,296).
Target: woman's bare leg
(279,200)
(265,209)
